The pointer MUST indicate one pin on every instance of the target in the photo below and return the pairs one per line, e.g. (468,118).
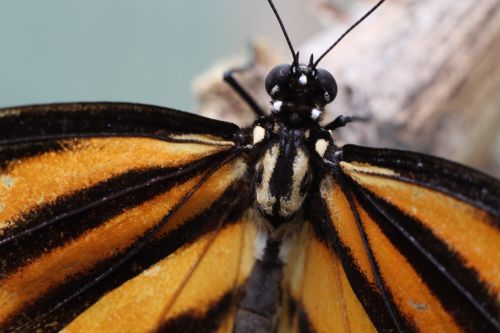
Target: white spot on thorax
(276,107)
(259,133)
(321,146)
(275,90)
(264,197)
(315,113)
(290,205)
(303,79)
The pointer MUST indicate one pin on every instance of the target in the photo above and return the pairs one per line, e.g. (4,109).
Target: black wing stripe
(20,151)
(101,193)
(456,180)
(399,321)
(323,231)
(367,293)
(491,219)
(73,119)
(235,206)
(65,207)
(304,323)
(67,226)
(205,322)
(457,287)
(152,253)
(112,272)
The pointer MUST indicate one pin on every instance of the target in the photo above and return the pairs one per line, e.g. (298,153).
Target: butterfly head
(299,92)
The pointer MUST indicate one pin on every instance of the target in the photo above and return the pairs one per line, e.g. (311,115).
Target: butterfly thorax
(284,172)
(283,175)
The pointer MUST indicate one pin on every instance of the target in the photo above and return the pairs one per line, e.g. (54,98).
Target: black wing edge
(69,120)
(456,180)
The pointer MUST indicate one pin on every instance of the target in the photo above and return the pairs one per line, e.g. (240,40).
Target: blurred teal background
(129,50)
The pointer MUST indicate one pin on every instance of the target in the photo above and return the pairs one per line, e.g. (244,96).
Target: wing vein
(343,308)
(188,275)
(55,137)
(494,211)
(432,260)
(373,265)
(96,203)
(148,236)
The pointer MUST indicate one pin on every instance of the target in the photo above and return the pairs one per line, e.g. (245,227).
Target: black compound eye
(278,78)
(328,84)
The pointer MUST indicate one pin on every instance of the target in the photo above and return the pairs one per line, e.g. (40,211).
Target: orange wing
(192,290)
(318,296)
(418,238)
(104,191)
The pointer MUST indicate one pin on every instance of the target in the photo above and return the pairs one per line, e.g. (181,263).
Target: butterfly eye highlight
(328,84)
(277,80)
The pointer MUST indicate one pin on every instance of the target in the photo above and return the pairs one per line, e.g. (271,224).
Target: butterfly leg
(231,80)
(341,121)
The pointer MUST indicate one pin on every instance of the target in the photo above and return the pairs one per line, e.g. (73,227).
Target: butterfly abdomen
(258,309)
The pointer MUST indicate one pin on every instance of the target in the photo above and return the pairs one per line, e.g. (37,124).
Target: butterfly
(127,217)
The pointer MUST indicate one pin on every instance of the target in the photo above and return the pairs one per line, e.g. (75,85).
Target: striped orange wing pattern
(318,296)
(125,217)
(417,238)
(100,192)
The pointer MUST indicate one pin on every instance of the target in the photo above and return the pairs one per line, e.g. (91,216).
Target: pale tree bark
(428,72)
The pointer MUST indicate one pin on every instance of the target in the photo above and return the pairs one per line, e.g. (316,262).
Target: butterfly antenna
(348,31)
(294,55)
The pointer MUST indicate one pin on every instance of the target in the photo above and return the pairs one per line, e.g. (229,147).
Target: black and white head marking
(299,93)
